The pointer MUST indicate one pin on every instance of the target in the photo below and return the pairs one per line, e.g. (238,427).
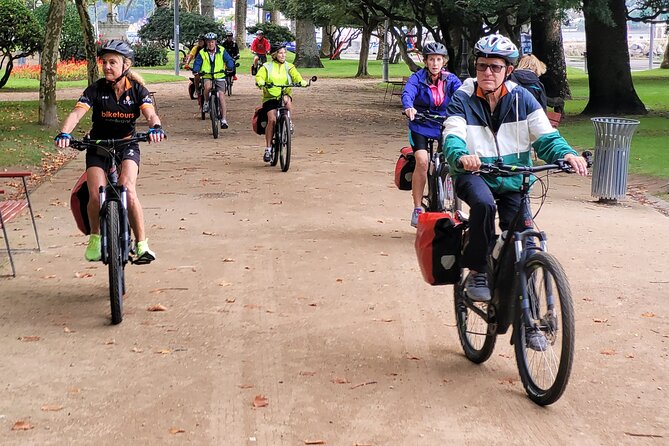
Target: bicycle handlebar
(499,168)
(108,143)
(271,85)
(437,119)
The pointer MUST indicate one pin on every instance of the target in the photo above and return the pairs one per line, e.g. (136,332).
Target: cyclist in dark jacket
(527,73)
(232,49)
(428,90)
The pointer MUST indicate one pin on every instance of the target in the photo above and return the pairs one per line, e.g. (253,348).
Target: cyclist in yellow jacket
(211,62)
(276,72)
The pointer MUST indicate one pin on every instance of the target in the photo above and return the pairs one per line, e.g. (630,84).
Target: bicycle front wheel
(285,142)
(545,356)
(276,143)
(476,338)
(115,262)
(213,114)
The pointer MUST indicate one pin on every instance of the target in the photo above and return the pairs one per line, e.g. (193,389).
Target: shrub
(151,55)
(273,32)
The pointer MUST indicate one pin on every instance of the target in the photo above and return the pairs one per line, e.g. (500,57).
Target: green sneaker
(94,248)
(144,253)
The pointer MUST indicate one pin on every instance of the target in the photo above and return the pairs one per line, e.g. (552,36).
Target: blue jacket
(523,126)
(417,95)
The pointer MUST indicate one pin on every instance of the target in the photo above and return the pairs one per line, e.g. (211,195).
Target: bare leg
(95,178)
(128,178)
(269,130)
(419,177)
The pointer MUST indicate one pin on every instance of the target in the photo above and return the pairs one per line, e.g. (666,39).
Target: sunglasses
(493,67)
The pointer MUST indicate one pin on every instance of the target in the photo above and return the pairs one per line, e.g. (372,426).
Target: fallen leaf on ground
(68,330)
(163,352)
(51,407)
(50,276)
(246,386)
(608,352)
(228,260)
(136,350)
(157,307)
(384,254)
(260,401)
(110,342)
(341,381)
(313,304)
(230,300)
(507,380)
(208,233)
(22,425)
(648,314)
(339,280)
(314,441)
(176,430)
(224,283)
(600,321)
(29,338)
(413,358)
(305,373)
(79,275)
(74,390)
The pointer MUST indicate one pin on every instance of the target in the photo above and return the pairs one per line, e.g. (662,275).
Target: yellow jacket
(278,74)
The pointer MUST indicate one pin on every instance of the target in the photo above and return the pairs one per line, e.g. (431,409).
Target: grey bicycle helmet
(119,47)
(435,48)
(273,48)
(496,45)
(210,36)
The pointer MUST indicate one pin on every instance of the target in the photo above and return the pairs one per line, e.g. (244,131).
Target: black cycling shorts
(419,142)
(94,159)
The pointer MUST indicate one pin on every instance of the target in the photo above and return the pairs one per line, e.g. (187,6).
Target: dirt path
(303,287)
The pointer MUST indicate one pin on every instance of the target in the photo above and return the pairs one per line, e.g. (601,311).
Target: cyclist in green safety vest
(276,72)
(211,63)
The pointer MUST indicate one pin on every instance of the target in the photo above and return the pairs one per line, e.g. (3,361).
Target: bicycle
(530,292)
(258,61)
(283,129)
(199,88)
(214,105)
(440,193)
(230,78)
(114,224)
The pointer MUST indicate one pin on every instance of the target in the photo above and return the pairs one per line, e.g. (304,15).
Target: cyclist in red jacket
(260,47)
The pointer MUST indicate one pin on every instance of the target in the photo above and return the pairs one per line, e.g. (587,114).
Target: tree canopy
(20,35)
(160,27)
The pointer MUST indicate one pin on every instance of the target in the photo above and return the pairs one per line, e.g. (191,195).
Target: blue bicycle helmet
(496,45)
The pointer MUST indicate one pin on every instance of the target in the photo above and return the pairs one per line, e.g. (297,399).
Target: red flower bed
(67,70)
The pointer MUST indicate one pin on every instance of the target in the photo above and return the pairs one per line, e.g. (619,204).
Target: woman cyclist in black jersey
(117,101)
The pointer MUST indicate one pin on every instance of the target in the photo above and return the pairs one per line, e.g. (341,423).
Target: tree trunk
(326,46)
(547,46)
(47,84)
(8,69)
(306,53)
(364,51)
(275,16)
(401,43)
(382,42)
(240,23)
(89,42)
(665,59)
(207,8)
(609,77)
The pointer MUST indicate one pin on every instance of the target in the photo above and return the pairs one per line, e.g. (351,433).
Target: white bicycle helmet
(210,36)
(496,45)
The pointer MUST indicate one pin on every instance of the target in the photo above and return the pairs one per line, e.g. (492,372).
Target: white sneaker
(205,107)
(414,216)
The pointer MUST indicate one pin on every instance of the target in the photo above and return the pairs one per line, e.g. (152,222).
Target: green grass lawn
(18,85)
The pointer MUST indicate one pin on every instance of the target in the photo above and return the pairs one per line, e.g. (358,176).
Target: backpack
(528,80)
(438,247)
(404,169)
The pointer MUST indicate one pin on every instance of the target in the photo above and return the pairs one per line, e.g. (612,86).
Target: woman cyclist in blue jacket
(428,90)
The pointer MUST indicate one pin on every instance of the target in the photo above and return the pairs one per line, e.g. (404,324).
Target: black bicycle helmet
(495,45)
(435,48)
(229,34)
(273,48)
(119,47)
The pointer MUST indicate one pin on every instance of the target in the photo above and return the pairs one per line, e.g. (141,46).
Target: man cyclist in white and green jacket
(490,118)
(276,72)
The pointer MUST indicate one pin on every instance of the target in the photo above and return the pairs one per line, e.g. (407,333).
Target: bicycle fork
(123,217)
(529,303)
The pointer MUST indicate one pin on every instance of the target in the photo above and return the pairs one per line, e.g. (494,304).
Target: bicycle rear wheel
(213,114)
(285,142)
(474,333)
(115,262)
(545,369)
(450,200)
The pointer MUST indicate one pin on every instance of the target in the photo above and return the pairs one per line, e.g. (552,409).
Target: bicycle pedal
(144,259)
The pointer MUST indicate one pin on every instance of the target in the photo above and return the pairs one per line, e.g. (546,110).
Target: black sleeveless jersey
(114,118)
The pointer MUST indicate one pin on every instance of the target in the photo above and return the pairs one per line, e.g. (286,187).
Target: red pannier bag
(259,121)
(404,169)
(79,204)
(438,247)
